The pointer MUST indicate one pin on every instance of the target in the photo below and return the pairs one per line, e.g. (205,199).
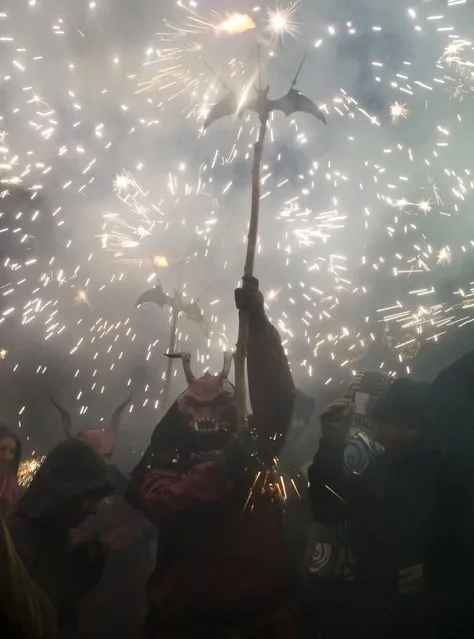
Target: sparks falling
(107,167)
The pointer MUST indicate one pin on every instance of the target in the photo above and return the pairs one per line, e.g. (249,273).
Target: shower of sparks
(271,483)
(445,256)
(81,298)
(28,470)
(122,183)
(105,169)
(458,60)
(398,111)
(282,21)
(235,23)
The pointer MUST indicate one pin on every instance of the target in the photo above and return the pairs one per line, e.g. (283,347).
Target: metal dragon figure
(292,102)
(178,306)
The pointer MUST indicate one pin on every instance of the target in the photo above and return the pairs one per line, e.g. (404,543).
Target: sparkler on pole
(171,349)
(178,305)
(292,102)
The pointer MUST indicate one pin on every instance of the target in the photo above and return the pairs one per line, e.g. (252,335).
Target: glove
(335,421)
(248,298)
(240,455)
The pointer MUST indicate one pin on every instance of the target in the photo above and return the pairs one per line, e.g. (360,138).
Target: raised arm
(271,387)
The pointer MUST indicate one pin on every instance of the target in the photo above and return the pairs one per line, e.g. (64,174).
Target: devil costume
(102,441)
(58,498)
(222,569)
(117,606)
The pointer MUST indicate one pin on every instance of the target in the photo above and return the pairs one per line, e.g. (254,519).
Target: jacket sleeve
(271,387)
(168,491)
(332,491)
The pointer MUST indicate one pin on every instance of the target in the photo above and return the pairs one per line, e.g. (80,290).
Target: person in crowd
(25,611)
(65,490)
(222,568)
(370,581)
(117,606)
(451,568)
(103,441)
(10,456)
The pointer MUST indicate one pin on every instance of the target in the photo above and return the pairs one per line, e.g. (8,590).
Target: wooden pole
(241,348)
(172,341)
(171,349)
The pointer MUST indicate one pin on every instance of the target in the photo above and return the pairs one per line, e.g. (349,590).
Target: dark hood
(6,431)
(71,469)
(452,400)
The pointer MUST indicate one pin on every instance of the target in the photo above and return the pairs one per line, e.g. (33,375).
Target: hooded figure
(222,568)
(66,488)
(10,456)
(25,611)
(117,605)
(102,441)
(379,523)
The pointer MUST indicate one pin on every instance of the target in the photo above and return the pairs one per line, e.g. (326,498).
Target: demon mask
(102,441)
(197,427)
(208,403)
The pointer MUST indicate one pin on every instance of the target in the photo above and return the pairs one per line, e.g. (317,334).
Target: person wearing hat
(386,514)
(65,490)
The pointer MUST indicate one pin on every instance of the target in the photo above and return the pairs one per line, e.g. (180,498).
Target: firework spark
(182,192)
(445,256)
(28,469)
(282,21)
(398,111)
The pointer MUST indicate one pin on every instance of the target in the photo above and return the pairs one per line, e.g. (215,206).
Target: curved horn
(186,357)
(116,416)
(65,419)
(228,357)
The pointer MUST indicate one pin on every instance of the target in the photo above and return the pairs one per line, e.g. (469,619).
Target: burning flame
(160,261)
(235,23)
